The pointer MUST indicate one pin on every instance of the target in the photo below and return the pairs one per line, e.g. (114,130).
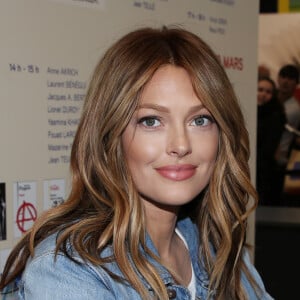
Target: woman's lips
(177,172)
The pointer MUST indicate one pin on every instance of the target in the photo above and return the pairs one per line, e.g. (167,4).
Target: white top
(192,285)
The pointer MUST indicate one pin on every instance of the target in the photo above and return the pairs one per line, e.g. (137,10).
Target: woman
(158,207)
(270,125)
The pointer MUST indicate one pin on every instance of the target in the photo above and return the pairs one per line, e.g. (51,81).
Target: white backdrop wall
(48,51)
(278,41)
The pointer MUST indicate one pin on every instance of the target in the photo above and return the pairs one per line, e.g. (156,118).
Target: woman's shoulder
(46,254)
(60,277)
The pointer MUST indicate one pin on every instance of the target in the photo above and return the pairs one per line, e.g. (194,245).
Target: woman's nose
(179,143)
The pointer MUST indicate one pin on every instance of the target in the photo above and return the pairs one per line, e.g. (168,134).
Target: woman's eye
(150,121)
(202,121)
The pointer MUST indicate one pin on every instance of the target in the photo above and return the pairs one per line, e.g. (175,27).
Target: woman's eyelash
(209,117)
(140,120)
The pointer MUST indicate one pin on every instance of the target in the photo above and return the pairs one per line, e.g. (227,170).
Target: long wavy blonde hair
(103,207)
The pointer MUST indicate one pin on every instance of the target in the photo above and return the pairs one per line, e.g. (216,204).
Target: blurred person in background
(288,78)
(270,125)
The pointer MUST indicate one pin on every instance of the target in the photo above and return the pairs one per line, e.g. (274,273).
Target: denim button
(171,294)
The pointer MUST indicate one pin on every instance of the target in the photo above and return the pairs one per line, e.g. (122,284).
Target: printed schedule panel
(48,51)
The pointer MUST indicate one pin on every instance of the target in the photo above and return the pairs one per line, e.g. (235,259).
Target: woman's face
(264,92)
(171,142)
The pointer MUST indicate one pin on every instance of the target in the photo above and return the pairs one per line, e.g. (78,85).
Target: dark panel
(268,6)
(277,259)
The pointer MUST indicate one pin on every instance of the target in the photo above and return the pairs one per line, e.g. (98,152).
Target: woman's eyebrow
(196,108)
(166,109)
(154,106)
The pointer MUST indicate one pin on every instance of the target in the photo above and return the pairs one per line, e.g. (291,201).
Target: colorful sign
(285,6)
(54,192)
(25,211)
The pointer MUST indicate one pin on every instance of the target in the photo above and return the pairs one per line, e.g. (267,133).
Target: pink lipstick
(177,172)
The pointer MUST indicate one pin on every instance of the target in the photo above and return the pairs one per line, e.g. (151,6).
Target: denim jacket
(49,279)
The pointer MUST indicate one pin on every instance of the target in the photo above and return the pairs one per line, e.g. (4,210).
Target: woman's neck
(160,225)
